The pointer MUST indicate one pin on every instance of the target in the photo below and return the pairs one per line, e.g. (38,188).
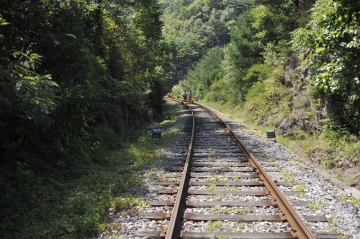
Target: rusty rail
(300,229)
(175,217)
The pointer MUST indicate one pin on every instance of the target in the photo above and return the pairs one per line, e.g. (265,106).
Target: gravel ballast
(323,193)
(320,187)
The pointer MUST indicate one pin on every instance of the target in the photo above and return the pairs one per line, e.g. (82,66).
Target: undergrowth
(334,151)
(75,202)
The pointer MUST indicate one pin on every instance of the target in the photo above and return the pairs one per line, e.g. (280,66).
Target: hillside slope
(291,66)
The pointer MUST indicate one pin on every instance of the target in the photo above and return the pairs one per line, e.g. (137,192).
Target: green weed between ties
(316,205)
(225,166)
(289,177)
(216,178)
(350,199)
(213,226)
(219,237)
(212,187)
(301,187)
(214,209)
(219,226)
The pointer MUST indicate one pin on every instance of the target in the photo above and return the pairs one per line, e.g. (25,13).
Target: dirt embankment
(305,123)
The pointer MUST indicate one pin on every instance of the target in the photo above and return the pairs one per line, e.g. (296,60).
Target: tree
(243,51)
(331,48)
(197,26)
(205,72)
(73,74)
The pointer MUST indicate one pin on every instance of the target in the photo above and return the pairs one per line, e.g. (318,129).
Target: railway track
(212,187)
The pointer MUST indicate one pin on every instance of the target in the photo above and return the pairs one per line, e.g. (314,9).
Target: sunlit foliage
(331,47)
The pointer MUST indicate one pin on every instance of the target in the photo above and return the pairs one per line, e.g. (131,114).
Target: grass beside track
(79,207)
(338,155)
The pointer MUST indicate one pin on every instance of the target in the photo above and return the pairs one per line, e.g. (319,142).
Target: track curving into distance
(221,191)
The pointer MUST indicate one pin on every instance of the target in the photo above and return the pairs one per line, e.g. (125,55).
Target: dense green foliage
(196,26)
(257,26)
(331,46)
(292,65)
(269,41)
(200,79)
(76,78)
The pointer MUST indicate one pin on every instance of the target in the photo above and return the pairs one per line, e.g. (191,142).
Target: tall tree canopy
(69,68)
(68,64)
(196,26)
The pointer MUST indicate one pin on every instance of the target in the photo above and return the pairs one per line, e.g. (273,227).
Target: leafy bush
(217,92)
(330,41)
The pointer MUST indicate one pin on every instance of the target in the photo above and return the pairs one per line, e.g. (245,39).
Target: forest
(288,65)
(79,78)
(308,44)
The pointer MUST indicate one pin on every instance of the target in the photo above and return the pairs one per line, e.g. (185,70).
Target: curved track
(214,178)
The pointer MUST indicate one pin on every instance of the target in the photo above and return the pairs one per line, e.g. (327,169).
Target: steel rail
(300,229)
(175,216)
